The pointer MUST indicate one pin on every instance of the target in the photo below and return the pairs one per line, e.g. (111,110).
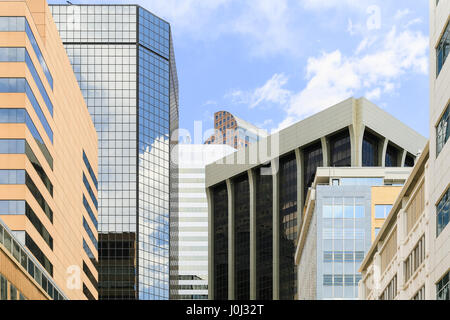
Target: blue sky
(274,62)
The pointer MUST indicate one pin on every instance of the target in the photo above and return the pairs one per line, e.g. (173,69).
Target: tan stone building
(48,153)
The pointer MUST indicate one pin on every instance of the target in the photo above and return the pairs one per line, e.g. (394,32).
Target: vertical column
(382,155)
(252,189)
(230,191)
(276,228)
(209,197)
(403,158)
(325,152)
(300,200)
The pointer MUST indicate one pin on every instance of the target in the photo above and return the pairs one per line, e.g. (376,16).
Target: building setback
(48,161)
(256,197)
(123,58)
(410,258)
(344,209)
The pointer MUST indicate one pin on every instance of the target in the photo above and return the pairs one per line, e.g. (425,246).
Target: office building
(410,258)
(233,131)
(48,161)
(256,197)
(123,58)
(192,236)
(343,212)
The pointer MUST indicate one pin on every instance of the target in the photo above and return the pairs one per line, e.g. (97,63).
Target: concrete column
(356,140)
(209,197)
(230,192)
(300,200)
(325,152)
(276,229)
(252,186)
(403,158)
(382,155)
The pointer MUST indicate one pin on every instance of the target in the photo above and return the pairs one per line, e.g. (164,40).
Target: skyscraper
(123,58)
(48,163)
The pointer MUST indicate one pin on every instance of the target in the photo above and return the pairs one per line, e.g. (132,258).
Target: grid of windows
(220,226)
(127,80)
(443,130)
(288,226)
(242,238)
(443,288)
(264,235)
(343,237)
(340,150)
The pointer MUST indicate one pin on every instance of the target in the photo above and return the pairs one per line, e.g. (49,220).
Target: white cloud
(272,91)
(332,77)
(401,13)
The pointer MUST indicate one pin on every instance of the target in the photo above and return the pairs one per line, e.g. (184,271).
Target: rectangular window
(89,189)
(420,295)
(415,259)
(391,290)
(443,131)
(442,49)
(21,116)
(382,211)
(20,85)
(442,213)
(3,288)
(443,288)
(90,212)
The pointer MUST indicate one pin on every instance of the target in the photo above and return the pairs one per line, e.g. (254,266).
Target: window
(442,213)
(443,288)
(420,295)
(443,131)
(3,288)
(415,259)
(370,150)
(382,211)
(391,156)
(340,150)
(442,49)
(391,290)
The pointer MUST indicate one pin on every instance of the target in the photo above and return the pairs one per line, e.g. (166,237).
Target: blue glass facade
(123,59)
(343,239)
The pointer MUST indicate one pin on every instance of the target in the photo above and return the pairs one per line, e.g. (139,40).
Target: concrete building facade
(256,195)
(344,206)
(124,61)
(191,282)
(410,258)
(48,154)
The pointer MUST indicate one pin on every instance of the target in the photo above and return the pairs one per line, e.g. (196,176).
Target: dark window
(313,159)
(242,238)
(38,254)
(39,198)
(90,276)
(443,288)
(220,205)
(391,156)
(87,293)
(264,236)
(409,161)
(443,131)
(442,213)
(91,172)
(443,49)
(370,150)
(288,226)
(340,150)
